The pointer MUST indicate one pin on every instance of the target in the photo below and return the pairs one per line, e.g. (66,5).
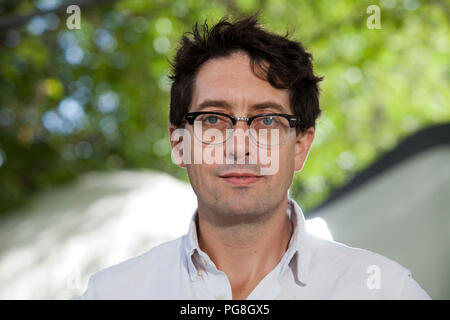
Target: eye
(212,119)
(267,121)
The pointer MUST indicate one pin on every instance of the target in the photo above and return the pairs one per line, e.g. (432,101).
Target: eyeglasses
(268,129)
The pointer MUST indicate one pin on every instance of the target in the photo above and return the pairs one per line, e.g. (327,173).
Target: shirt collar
(191,248)
(297,254)
(299,241)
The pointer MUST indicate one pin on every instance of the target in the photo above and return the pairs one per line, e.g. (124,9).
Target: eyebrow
(258,106)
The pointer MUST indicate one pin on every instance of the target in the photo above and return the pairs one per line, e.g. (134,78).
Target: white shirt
(311,268)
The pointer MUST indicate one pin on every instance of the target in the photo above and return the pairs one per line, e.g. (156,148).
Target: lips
(240,178)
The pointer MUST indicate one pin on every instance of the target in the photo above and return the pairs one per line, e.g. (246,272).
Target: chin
(238,207)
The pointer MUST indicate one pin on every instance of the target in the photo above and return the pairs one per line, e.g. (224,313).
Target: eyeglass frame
(294,120)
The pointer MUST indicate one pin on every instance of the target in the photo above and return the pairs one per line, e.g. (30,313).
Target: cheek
(200,177)
(287,162)
(195,174)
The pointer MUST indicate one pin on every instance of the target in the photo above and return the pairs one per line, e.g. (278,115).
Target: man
(239,93)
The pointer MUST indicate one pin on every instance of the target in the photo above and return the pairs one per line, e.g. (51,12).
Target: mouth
(240,178)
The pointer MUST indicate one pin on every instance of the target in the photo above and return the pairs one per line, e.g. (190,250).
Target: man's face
(236,90)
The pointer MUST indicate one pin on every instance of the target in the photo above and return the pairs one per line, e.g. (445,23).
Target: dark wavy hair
(282,62)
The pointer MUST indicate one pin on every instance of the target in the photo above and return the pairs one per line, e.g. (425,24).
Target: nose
(237,147)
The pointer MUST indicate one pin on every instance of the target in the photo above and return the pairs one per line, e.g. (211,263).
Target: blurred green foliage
(97,98)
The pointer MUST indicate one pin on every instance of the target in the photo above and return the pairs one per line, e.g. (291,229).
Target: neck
(245,250)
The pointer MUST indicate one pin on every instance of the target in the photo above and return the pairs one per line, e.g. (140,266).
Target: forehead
(231,79)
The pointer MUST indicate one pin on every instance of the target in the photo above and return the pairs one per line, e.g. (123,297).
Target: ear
(176,143)
(303,144)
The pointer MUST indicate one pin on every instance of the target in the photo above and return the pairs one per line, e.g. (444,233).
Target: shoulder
(163,253)
(339,255)
(136,274)
(358,273)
